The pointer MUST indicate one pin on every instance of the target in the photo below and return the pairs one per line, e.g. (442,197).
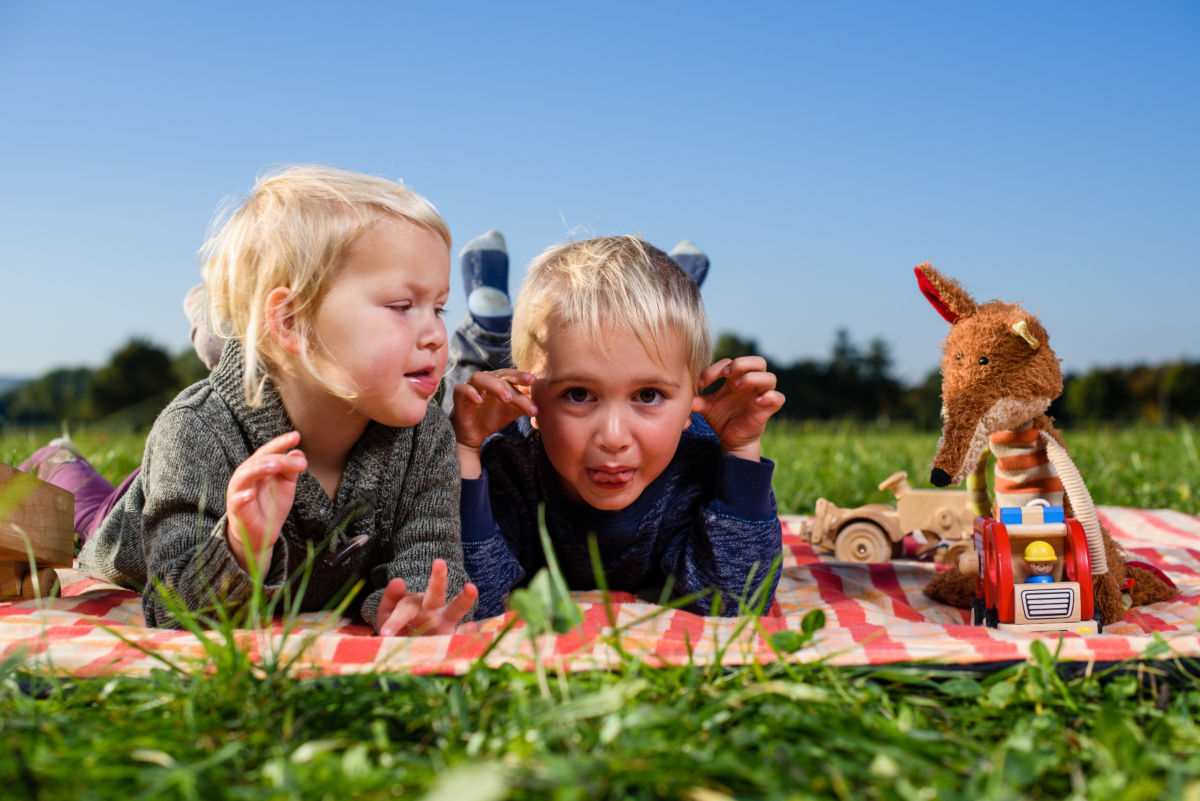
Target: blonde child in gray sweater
(316,430)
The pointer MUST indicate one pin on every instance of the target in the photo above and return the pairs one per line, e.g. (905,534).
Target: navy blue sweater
(709,521)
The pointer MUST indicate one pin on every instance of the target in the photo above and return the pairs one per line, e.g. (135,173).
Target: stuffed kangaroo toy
(999,377)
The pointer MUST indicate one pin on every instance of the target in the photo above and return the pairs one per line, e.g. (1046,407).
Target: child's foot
(195,307)
(485,278)
(692,260)
(51,458)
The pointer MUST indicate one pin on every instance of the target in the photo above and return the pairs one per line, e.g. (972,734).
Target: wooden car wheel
(863,542)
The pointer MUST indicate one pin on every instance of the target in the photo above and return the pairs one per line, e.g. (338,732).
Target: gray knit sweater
(400,488)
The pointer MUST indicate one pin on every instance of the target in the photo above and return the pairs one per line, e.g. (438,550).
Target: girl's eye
(441,311)
(577,395)
(400,307)
(648,396)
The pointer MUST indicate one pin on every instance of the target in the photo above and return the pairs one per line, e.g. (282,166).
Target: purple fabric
(95,497)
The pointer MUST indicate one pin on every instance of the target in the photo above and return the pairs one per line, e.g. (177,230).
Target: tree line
(128,392)
(854,383)
(857,383)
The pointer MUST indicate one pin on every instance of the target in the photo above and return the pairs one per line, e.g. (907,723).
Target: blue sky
(1045,153)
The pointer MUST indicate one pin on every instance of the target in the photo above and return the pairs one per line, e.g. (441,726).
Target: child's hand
(412,614)
(259,498)
(485,404)
(739,410)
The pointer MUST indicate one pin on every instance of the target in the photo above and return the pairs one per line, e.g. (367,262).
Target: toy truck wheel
(863,542)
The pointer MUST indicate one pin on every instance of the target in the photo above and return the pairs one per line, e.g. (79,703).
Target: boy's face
(380,326)
(611,418)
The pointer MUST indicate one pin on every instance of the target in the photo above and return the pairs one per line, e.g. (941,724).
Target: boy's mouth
(610,477)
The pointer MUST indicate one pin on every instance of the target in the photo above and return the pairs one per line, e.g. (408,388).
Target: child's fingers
(293,464)
(435,593)
(400,617)
(393,592)
(254,470)
(513,376)
(713,372)
(281,444)
(501,384)
(772,400)
(756,381)
(466,392)
(744,365)
(461,604)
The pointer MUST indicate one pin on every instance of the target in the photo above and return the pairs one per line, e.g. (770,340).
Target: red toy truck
(1051,592)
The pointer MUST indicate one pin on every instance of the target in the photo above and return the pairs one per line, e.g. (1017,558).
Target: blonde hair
(608,282)
(291,231)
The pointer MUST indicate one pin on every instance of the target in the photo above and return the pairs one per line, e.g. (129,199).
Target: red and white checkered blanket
(875,614)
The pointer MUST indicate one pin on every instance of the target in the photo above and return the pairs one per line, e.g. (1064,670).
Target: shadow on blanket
(876,614)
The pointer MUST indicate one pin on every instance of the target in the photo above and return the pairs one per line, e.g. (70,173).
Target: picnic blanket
(875,614)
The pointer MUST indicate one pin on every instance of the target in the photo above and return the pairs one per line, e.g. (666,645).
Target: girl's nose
(433,332)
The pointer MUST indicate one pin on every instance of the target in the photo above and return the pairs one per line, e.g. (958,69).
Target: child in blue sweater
(602,422)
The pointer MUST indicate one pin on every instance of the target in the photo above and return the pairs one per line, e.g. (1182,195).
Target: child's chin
(610,503)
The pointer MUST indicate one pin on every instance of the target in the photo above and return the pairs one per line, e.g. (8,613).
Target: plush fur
(1000,374)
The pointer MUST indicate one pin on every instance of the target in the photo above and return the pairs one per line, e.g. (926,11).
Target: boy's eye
(648,396)
(577,395)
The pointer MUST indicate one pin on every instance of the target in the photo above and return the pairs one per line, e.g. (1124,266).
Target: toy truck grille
(1052,603)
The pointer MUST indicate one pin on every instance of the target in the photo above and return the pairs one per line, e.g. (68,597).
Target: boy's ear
(281,321)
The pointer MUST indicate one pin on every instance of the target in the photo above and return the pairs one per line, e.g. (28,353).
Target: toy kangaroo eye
(983,360)
(958,357)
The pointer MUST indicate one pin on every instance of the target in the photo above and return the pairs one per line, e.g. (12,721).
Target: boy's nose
(613,434)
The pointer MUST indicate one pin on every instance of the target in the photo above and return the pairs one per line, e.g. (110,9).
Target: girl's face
(611,418)
(379,328)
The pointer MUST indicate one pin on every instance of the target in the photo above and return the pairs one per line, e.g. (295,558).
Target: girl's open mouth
(425,381)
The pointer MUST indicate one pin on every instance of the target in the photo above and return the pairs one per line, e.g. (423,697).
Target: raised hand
(259,498)
(739,410)
(486,403)
(412,614)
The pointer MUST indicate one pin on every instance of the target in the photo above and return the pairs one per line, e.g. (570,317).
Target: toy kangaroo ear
(945,294)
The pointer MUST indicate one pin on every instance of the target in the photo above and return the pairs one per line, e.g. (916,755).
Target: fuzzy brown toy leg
(952,587)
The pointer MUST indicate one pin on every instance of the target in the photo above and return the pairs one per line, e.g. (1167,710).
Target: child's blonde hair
(609,282)
(294,227)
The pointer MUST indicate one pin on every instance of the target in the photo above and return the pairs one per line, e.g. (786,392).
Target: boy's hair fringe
(291,231)
(607,282)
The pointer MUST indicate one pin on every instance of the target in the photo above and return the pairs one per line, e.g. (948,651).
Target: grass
(235,729)
(1143,466)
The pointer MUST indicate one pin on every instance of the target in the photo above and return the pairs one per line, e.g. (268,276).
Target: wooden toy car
(1035,572)
(875,532)
(38,517)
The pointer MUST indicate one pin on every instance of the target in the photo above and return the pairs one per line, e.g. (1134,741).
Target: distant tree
(844,358)
(1101,394)
(139,373)
(877,362)
(1180,391)
(188,369)
(731,346)
(923,403)
(57,397)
